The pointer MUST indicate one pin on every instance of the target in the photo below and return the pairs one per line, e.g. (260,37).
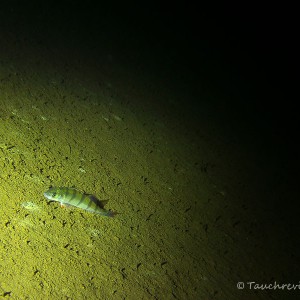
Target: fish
(70,196)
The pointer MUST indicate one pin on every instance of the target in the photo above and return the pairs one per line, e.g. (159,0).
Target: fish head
(52,194)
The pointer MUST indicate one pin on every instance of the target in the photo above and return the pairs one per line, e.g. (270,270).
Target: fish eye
(54,194)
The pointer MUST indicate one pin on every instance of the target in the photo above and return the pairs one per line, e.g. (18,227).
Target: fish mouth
(47,195)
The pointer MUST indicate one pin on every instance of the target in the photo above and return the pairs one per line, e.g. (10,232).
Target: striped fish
(69,196)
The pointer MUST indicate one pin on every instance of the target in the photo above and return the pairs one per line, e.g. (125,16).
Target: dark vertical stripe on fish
(65,193)
(90,203)
(83,196)
(73,196)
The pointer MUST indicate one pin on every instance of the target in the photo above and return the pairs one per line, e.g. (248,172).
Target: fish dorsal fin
(100,203)
(103,202)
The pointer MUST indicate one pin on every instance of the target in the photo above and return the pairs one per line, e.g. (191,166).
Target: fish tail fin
(110,213)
